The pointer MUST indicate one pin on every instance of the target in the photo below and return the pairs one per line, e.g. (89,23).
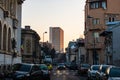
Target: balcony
(93,0)
(97,27)
(96,46)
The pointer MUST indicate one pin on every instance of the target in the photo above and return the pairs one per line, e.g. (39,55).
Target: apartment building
(57,38)
(97,14)
(112,44)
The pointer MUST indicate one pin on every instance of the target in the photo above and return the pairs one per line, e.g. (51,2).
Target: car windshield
(95,68)
(114,72)
(61,64)
(85,65)
(104,68)
(21,67)
(43,67)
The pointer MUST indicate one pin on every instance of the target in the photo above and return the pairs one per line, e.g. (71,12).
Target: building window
(13,7)
(4,37)
(98,4)
(111,19)
(28,46)
(1,3)
(96,37)
(94,5)
(6,4)
(9,40)
(104,5)
(96,21)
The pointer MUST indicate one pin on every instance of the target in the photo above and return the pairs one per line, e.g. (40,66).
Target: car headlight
(27,75)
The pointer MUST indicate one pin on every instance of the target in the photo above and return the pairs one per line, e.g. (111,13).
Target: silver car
(92,71)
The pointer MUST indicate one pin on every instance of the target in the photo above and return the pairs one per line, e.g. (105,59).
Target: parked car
(67,65)
(61,66)
(92,71)
(73,66)
(47,59)
(24,71)
(2,76)
(101,72)
(112,73)
(46,72)
(83,69)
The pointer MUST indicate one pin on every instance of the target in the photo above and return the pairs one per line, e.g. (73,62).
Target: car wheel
(48,79)
(88,78)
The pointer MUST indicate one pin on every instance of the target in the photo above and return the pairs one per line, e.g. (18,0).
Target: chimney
(27,27)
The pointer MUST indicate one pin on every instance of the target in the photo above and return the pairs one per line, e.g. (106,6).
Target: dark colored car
(83,69)
(46,72)
(73,66)
(67,65)
(112,73)
(24,71)
(61,66)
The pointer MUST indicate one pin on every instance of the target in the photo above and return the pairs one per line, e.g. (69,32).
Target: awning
(105,33)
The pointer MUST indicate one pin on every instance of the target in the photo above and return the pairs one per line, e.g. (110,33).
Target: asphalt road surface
(66,75)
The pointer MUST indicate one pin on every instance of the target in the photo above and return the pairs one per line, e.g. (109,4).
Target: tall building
(57,38)
(97,14)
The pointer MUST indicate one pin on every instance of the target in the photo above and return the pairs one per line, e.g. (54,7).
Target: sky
(66,14)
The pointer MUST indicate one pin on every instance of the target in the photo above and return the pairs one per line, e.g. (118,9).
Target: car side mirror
(88,69)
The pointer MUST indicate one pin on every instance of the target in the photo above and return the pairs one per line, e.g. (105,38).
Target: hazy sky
(67,14)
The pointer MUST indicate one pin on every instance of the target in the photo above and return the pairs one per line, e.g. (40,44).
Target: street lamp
(43,35)
(42,53)
(94,49)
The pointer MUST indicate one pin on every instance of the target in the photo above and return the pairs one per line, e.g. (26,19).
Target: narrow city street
(66,75)
(59,39)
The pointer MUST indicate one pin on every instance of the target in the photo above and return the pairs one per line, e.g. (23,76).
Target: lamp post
(94,50)
(42,53)
(43,35)
(43,38)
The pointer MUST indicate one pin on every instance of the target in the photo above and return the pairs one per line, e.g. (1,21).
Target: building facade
(81,51)
(76,51)
(30,47)
(112,44)
(97,14)
(10,32)
(70,51)
(57,38)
